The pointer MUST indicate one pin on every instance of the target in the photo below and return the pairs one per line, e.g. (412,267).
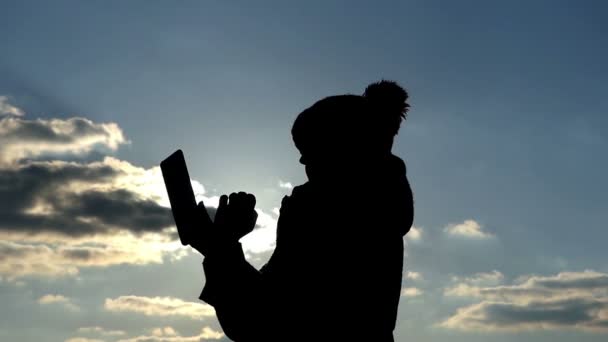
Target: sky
(504,144)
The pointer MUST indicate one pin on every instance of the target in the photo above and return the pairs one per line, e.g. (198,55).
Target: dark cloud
(45,197)
(576,313)
(573,300)
(118,208)
(21,138)
(566,312)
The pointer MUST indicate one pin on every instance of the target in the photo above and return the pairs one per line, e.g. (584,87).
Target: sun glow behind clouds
(86,214)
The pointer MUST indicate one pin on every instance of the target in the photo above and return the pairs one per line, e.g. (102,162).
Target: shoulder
(300,194)
(397,164)
(300,189)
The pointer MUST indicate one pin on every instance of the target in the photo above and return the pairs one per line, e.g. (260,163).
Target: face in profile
(330,166)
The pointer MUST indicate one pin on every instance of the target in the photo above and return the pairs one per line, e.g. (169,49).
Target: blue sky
(505,146)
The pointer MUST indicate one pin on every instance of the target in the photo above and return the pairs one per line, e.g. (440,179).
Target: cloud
(8,109)
(165,331)
(159,306)
(53,256)
(575,313)
(19,260)
(48,299)
(415,234)
(411,292)
(482,278)
(413,275)
(83,339)
(467,229)
(206,334)
(568,300)
(21,138)
(285,185)
(58,299)
(263,238)
(59,216)
(76,199)
(101,331)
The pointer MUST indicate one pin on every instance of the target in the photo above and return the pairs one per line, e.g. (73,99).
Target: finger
(254,218)
(203,215)
(250,201)
(238,198)
(233,198)
(223,201)
(245,205)
(220,213)
(243,200)
(233,207)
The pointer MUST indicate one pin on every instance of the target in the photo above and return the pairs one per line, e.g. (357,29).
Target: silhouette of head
(339,135)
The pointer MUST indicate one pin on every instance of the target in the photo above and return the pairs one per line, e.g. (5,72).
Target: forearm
(226,272)
(234,288)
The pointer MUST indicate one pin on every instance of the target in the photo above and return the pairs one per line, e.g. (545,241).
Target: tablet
(181,196)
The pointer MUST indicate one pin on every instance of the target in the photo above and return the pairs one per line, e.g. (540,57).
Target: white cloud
(165,331)
(415,234)
(411,292)
(483,278)
(263,238)
(206,334)
(468,229)
(58,299)
(58,256)
(413,275)
(285,185)
(159,306)
(461,290)
(48,299)
(83,339)
(101,331)
(8,109)
(568,300)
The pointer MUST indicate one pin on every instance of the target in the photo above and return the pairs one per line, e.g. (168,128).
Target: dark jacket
(335,274)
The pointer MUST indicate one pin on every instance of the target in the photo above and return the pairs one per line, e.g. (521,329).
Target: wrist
(224,247)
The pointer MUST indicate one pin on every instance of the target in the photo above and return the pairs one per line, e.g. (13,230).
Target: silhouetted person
(335,274)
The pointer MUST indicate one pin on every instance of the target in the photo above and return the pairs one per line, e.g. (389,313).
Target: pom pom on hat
(388,96)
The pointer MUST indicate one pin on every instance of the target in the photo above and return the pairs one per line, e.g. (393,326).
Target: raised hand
(236,215)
